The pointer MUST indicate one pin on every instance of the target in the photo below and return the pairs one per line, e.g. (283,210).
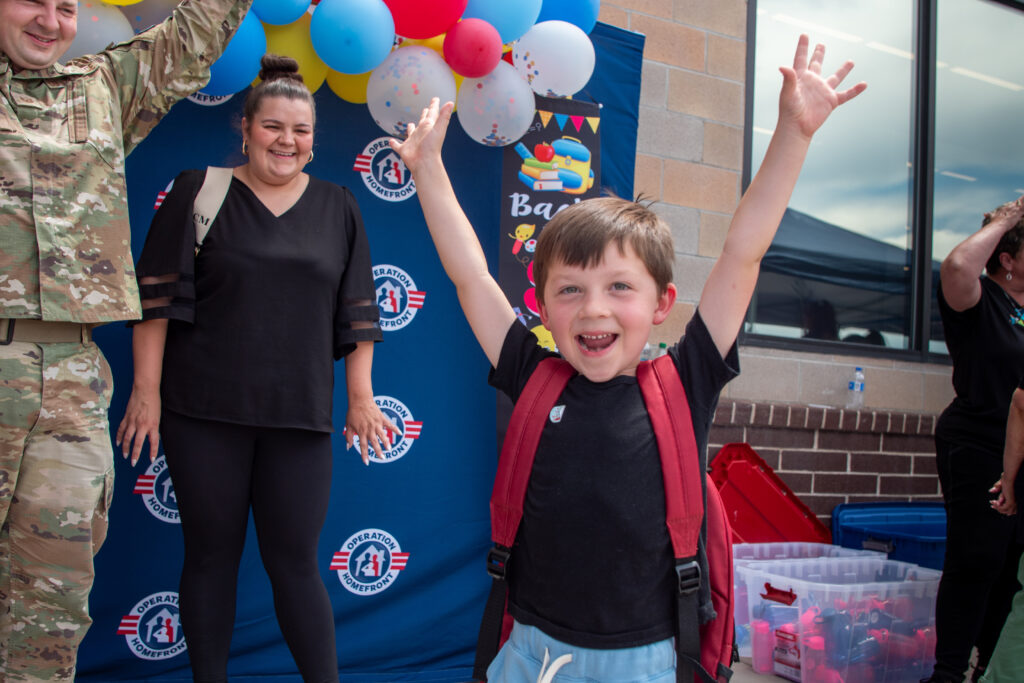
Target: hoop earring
(1009,276)
(310,156)
(245,148)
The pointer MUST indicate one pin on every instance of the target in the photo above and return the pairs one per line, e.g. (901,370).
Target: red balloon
(472,48)
(418,19)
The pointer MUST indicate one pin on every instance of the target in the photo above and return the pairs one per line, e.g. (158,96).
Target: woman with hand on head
(234,368)
(983,318)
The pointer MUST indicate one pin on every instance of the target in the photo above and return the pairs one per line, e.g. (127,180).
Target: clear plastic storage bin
(744,553)
(841,619)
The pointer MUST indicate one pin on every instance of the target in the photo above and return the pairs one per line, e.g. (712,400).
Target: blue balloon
(512,19)
(352,36)
(240,63)
(279,12)
(582,13)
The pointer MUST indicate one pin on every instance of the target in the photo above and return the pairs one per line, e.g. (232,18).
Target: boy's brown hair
(578,235)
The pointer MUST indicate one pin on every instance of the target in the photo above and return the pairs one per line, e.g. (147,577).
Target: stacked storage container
(841,619)
(745,553)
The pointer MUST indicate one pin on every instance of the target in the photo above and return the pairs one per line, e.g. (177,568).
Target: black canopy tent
(866,282)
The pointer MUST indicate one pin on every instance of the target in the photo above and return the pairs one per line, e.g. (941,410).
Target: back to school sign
(556,164)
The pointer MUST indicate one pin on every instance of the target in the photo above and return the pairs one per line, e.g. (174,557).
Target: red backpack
(700,648)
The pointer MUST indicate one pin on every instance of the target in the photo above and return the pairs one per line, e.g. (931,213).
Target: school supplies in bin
(746,553)
(841,619)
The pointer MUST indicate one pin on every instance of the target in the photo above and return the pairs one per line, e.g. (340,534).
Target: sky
(858,174)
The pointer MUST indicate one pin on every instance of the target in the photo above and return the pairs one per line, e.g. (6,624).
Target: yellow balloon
(436,43)
(349,87)
(122,3)
(292,40)
(458,82)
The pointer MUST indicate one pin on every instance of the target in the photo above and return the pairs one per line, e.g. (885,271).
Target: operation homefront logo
(205,100)
(384,173)
(157,492)
(400,416)
(369,561)
(153,627)
(397,297)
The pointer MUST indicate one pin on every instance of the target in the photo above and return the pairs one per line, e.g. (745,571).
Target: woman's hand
(1004,501)
(423,140)
(366,422)
(141,421)
(807,99)
(1008,214)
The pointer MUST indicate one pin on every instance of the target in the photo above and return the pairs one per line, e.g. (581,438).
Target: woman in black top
(234,363)
(983,319)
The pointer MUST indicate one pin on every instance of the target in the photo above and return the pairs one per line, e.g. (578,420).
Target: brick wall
(829,456)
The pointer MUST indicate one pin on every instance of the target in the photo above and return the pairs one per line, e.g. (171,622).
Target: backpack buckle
(497,561)
(689,577)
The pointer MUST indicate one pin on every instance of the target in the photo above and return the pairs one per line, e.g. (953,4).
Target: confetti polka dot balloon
(497,109)
(401,87)
(555,57)
(145,14)
(99,25)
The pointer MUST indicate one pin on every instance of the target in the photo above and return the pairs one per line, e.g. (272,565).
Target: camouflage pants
(56,480)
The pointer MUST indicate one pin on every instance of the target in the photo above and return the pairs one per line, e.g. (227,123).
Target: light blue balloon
(582,13)
(512,19)
(279,12)
(240,63)
(352,36)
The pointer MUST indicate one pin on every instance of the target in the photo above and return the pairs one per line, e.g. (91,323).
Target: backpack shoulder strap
(208,201)
(669,410)
(535,402)
(520,446)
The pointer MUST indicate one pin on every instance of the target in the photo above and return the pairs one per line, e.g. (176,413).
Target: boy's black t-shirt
(987,349)
(592,565)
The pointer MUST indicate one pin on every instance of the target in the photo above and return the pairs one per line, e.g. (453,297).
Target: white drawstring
(549,675)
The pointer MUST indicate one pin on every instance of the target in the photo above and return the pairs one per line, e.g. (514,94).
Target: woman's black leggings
(219,470)
(978,578)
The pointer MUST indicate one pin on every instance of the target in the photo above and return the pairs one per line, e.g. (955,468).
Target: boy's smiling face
(601,316)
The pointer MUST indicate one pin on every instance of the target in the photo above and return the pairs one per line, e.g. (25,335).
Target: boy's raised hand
(807,98)
(424,139)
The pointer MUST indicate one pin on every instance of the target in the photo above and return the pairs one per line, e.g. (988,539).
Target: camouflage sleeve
(169,61)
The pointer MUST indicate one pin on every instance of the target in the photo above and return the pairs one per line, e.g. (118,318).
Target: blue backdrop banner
(403,549)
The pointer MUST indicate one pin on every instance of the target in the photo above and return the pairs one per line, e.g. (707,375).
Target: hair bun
(274,67)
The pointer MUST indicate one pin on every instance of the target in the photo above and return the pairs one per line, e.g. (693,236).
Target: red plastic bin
(761,508)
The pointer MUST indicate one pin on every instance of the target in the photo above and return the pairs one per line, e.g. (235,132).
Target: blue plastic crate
(908,532)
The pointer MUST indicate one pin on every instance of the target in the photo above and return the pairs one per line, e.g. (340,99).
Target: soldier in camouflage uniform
(66,266)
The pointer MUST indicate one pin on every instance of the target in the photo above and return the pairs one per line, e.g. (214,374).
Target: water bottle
(855,390)
(662,349)
(647,353)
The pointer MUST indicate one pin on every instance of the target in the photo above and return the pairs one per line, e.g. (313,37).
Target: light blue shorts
(521,658)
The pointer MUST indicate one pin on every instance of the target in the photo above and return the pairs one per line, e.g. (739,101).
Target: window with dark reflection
(979,99)
(840,268)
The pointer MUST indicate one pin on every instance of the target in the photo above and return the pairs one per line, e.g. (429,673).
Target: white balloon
(147,13)
(401,87)
(555,57)
(496,110)
(99,25)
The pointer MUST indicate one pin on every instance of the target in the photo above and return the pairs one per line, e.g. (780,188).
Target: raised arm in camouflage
(65,266)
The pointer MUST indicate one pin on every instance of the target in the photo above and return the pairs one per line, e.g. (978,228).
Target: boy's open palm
(424,139)
(807,98)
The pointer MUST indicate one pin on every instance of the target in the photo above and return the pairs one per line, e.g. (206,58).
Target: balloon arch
(488,56)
